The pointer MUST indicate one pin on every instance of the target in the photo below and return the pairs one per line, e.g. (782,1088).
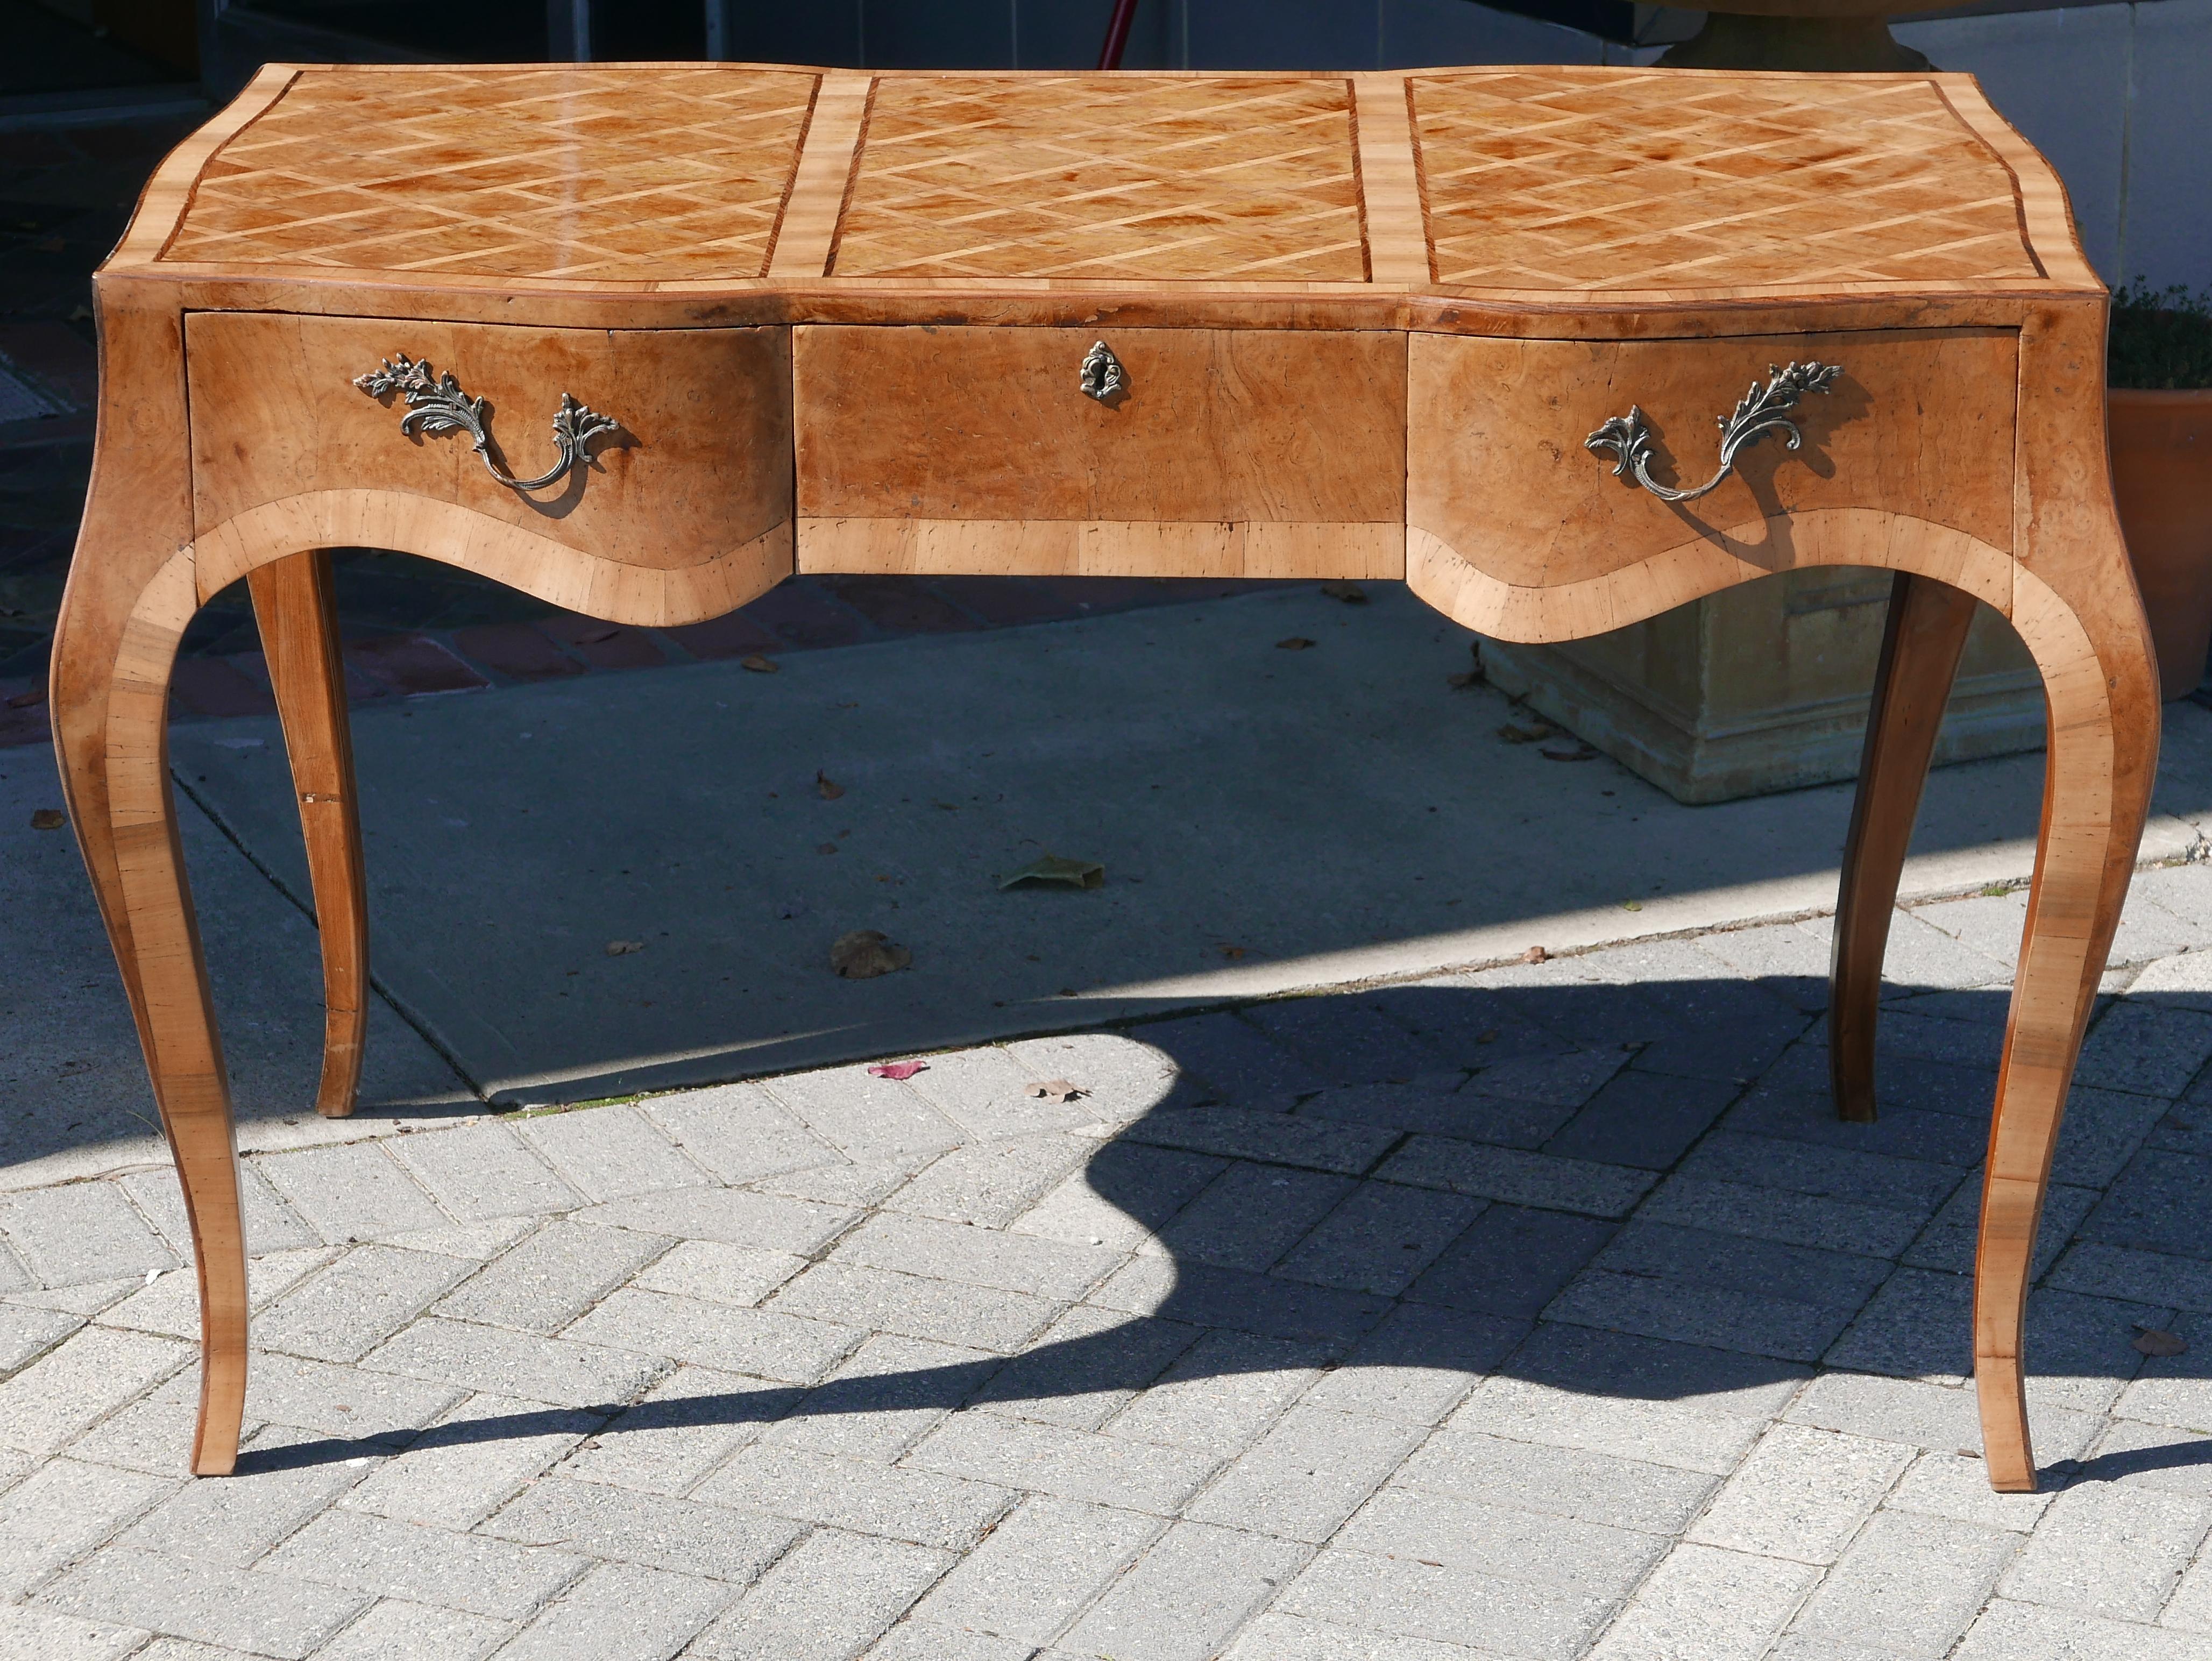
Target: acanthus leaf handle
(437,403)
(1761,410)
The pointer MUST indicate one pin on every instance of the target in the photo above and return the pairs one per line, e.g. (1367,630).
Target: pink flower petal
(899,1069)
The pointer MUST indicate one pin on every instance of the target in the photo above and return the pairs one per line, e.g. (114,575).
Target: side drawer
(1260,453)
(699,465)
(1920,422)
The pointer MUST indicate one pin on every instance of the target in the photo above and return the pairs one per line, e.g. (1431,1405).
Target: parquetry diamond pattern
(1160,180)
(1555,179)
(556,173)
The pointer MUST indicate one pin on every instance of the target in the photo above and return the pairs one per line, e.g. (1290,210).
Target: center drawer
(1225,452)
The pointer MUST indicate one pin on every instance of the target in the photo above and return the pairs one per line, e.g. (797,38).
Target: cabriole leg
(1921,642)
(298,620)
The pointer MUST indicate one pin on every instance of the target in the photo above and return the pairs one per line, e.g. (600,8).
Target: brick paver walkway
(1540,1312)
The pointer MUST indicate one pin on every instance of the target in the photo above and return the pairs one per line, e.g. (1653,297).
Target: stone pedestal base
(1764,687)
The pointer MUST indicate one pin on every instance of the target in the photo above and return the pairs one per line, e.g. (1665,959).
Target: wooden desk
(1353,326)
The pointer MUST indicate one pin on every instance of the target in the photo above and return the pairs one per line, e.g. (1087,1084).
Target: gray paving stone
(1346,1038)
(1916,1581)
(362,1299)
(686,1426)
(827,1599)
(2027,1632)
(1939,1417)
(2189,1609)
(549,1280)
(2110,1551)
(1038,1568)
(171,1305)
(1518,1178)
(611,1153)
(391,1630)
(1565,1482)
(2172,1390)
(863,1117)
(929,1508)
(984,1091)
(2100,1133)
(1658,1433)
(1565,1080)
(1203,1295)
(1840,1280)
(718,1273)
(1916,1186)
(370,1553)
(1380,1238)
(271,1224)
(1265,1135)
(203,1602)
(1123,1074)
(472,1461)
(772,1223)
(1949,1241)
(234,1522)
(1019,1454)
(37,1635)
(1798,1114)
(2143,1048)
(1187,1595)
(1587,1559)
(352,1191)
(883,1398)
(1413,1369)
(502,1363)
(1084,1367)
(1441,1108)
(1951,1485)
(1771,1214)
(481,1172)
(1582,1360)
(975,1257)
(1278,1637)
(1250,1214)
(1802,1494)
(28,1334)
(849,1183)
(1310,1471)
(1416,1599)
(739,1132)
(1642,1119)
(1723,1317)
(2145,1277)
(1716,1605)
(767,1343)
(992,1183)
(62,1510)
(1511,1261)
(344,1402)
(2158,1203)
(81,1232)
(877,1300)
(656,1531)
(919,1640)
(1238,1060)
(1124,1192)
(1223,1394)
(620,1612)
(2135,1453)
(79,1382)
(478,1242)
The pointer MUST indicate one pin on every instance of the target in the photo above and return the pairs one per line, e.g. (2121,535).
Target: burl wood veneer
(1361,325)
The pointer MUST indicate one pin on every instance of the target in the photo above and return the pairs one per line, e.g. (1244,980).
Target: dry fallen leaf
(1055,1089)
(830,791)
(826,847)
(1350,593)
(901,1069)
(1631,904)
(1580,752)
(25,699)
(759,664)
(48,819)
(1296,643)
(866,953)
(1052,869)
(624,947)
(594,635)
(1232,953)
(1535,955)
(2150,1340)
(1513,734)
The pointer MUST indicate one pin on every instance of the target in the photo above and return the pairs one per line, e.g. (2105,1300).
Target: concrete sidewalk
(1538,1311)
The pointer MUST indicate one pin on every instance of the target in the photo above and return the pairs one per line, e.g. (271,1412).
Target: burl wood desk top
(1559,347)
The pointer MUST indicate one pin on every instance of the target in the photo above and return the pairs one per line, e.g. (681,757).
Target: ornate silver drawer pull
(1761,410)
(1102,377)
(439,405)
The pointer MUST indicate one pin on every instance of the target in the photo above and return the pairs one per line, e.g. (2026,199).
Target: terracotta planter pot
(2162,477)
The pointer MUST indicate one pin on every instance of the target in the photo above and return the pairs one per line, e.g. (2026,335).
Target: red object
(899,1069)
(1117,34)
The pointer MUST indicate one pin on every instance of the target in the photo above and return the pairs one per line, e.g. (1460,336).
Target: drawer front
(1263,452)
(699,465)
(1918,423)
